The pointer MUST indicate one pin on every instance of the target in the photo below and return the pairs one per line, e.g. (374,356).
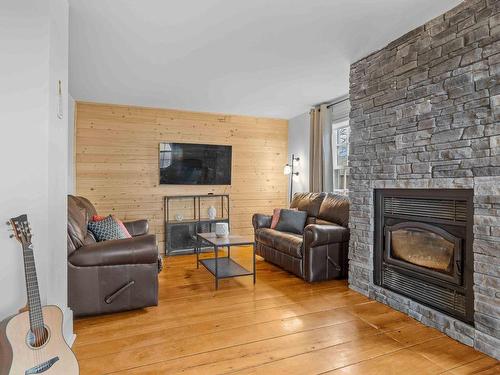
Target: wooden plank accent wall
(117,151)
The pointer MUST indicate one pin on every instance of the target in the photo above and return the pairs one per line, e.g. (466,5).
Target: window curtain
(320,155)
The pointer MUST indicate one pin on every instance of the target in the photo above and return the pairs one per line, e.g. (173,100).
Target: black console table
(180,233)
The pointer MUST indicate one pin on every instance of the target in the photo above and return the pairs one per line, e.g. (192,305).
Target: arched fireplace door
(424,248)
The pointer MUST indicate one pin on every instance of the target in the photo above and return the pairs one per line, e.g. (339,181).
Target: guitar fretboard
(34,304)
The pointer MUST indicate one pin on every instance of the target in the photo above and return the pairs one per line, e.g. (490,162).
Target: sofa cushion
(288,243)
(77,223)
(291,221)
(335,208)
(322,222)
(89,207)
(309,202)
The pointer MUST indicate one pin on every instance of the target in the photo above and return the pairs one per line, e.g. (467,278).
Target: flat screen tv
(195,164)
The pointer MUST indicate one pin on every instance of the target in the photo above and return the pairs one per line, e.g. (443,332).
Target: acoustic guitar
(32,341)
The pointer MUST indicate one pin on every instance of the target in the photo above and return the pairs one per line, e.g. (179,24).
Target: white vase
(212,212)
(221,229)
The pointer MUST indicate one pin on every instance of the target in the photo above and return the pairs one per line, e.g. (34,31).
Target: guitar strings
(38,333)
(32,283)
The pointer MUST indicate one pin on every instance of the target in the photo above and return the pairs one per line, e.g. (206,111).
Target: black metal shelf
(226,267)
(180,235)
(216,220)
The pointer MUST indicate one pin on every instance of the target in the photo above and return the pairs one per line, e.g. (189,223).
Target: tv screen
(195,164)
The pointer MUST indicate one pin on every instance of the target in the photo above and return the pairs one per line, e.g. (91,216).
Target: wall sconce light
(289,170)
(60,113)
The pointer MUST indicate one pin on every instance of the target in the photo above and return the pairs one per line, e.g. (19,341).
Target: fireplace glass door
(424,248)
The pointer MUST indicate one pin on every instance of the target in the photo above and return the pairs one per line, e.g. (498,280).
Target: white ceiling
(270,58)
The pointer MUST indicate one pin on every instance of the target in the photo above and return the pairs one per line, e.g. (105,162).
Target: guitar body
(19,358)
(32,342)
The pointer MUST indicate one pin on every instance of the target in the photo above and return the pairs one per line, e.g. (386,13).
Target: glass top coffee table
(224,267)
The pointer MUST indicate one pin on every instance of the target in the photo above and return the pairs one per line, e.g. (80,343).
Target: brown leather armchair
(109,276)
(321,253)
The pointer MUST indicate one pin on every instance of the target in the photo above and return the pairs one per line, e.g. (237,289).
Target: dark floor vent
(455,210)
(447,299)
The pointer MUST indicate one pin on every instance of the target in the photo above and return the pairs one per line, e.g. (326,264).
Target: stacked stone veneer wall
(425,113)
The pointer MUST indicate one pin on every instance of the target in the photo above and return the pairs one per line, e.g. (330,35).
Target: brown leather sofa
(321,252)
(109,276)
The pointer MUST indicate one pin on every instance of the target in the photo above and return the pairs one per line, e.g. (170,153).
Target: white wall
(58,159)
(33,150)
(298,144)
(71,145)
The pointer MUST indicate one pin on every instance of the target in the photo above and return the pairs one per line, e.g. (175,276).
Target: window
(340,152)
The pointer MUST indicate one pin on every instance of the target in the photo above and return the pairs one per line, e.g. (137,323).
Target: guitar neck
(32,291)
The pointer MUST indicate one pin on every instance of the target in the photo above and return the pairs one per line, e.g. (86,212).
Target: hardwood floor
(282,325)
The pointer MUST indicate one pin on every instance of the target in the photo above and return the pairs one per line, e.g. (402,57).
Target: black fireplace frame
(462,284)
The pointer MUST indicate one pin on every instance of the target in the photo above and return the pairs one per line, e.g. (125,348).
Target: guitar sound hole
(38,338)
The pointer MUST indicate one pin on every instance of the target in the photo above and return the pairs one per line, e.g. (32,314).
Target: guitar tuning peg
(11,236)
(7,223)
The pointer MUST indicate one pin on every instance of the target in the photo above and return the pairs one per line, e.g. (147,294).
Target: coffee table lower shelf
(226,267)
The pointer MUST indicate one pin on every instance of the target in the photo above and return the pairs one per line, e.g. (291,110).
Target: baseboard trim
(69,336)
(70,340)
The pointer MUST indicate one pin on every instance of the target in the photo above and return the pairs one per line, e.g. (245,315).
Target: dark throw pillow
(107,229)
(292,221)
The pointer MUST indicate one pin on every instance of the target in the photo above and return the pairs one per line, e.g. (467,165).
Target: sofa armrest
(137,227)
(261,221)
(136,250)
(323,234)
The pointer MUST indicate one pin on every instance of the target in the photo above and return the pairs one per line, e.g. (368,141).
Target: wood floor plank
(209,342)
(323,360)
(162,336)
(261,352)
(447,352)
(414,333)
(483,366)
(343,355)
(397,363)
(281,325)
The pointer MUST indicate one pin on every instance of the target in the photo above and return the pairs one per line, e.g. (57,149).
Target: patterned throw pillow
(120,223)
(107,229)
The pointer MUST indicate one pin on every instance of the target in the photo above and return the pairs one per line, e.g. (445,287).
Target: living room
(215,187)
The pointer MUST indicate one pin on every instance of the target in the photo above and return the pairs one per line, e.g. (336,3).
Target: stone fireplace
(425,174)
